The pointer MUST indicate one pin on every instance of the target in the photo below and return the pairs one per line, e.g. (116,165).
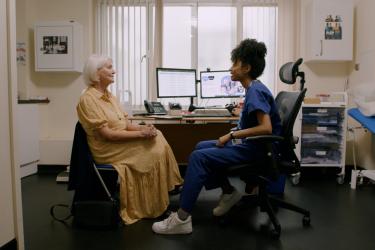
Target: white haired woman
(139,153)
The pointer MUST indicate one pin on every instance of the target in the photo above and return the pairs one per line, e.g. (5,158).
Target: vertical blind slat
(97,24)
(128,40)
(134,47)
(140,50)
(123,84)
(116,45)
(110,40)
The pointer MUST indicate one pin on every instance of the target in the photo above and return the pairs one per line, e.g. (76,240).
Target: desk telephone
(155,108)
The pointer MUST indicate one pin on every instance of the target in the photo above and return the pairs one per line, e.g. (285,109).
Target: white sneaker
(227,201)
(173,225)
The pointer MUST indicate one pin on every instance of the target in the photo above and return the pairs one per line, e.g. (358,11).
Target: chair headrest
(289,71)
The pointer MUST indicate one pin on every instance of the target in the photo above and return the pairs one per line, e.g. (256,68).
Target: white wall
(321,77)
(6,206)
(364,50)
(57,118)
(11,226)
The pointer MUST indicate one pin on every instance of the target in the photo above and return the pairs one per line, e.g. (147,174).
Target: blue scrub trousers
(206,167)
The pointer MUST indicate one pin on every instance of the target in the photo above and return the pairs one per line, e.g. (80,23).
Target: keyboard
(209,113)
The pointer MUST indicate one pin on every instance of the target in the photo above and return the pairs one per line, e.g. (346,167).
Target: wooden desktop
(183,133)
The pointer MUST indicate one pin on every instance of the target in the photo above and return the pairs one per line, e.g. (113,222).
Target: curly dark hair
(251,52)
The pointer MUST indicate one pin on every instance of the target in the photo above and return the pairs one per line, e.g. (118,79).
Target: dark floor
(341,218)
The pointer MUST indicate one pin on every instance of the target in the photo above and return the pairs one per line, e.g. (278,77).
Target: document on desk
(168,117)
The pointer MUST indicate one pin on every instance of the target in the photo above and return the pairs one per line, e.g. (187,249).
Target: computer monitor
(218,84)
(176,82)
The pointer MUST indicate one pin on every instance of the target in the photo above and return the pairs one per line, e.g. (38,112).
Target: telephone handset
(155,108)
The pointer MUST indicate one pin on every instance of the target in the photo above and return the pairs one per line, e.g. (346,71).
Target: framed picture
(56,46)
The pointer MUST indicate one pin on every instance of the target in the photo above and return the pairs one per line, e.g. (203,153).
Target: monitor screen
(176,82)
(218,84)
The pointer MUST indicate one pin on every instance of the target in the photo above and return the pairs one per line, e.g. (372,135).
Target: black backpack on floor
(93,214)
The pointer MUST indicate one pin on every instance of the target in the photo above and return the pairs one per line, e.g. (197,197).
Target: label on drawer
(322,110)
(321,128)
(320,153)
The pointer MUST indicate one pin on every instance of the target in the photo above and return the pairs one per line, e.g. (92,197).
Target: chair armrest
(265,138)
(295,139)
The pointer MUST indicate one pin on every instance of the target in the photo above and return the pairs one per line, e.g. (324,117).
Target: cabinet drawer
(323,116)
(321,139)
(320,156)
(319,129)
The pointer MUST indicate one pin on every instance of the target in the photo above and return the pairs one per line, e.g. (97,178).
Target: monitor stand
(192,107)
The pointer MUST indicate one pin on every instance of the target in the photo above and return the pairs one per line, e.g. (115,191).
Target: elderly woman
(139,153)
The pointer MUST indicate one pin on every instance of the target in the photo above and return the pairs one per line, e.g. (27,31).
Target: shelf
(32,101)
(325,104)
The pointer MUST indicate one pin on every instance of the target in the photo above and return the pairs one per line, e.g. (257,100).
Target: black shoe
(177,189)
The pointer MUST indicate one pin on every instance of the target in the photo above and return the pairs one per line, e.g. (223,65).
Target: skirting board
(29,169)
(11,245)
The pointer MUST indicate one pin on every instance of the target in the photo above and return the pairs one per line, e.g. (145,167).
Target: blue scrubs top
(259,98)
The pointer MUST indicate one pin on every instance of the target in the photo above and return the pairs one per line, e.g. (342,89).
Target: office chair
(261,173)
(82,177)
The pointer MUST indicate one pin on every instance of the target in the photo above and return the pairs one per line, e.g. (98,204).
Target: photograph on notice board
(55,45)
(21,53)
(333,27)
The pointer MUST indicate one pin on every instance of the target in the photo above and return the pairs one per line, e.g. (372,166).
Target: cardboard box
(311,100)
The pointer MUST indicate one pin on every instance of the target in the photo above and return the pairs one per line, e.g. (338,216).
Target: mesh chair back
(289,104)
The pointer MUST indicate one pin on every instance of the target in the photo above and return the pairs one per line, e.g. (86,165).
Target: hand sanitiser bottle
(126,101)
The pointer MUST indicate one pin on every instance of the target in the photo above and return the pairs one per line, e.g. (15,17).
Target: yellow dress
(147,167)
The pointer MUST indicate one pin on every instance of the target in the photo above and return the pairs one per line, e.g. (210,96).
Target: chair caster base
(306,221)
(221,220)
(275,233)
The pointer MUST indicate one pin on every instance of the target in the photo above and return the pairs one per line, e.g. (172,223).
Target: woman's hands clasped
(148,131)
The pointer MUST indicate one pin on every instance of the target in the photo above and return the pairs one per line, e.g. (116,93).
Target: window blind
(131,32)
(121,33)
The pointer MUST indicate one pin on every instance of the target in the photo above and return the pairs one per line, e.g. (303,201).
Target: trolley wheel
(275,233)
(306,221)
(295,179)
(340,179)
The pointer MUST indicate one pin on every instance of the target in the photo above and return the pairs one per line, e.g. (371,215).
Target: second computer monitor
(218,84)
(176,82)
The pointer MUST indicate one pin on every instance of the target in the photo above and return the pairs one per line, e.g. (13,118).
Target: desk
(183,134)
(367,123)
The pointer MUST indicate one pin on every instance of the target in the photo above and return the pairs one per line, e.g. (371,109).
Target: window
(122,35)
(196,35)
(177,42)
(216,39)
(210,31)
(260,22)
